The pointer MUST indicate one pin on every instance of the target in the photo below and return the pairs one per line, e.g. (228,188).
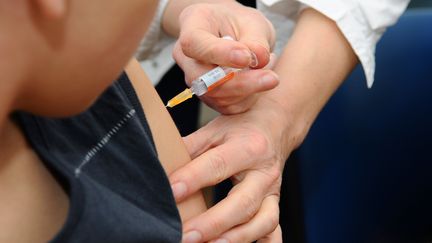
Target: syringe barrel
(198,87)
(201,85)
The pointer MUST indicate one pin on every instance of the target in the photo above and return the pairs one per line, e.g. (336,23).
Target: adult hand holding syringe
(227,89)
(208,81)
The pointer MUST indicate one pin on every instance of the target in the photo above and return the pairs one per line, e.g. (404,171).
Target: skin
(202,23)
(45,67)
(50,45)
(46,46)
(252,146)
(39,32)
(170,147)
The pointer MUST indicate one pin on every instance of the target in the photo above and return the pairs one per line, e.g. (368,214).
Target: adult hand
(252,146)
(200,47)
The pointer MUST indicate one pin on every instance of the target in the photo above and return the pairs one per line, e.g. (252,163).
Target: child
(94,177)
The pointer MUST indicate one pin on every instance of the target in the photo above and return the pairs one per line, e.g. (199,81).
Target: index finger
(206,47)
(209,169)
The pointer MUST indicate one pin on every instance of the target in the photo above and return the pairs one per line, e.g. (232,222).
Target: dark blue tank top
(106,161)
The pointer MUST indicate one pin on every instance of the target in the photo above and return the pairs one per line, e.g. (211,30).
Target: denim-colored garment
(106,161)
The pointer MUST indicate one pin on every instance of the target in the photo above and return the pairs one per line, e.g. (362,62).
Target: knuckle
(191,11)
(239,237)
(260,16)
(193,47)
(274,181)
(176,52)
(273,220)
(218,165)
(216,225)
(246,85)
(186,13)
(272,34)
(186,41)
(254,14)
(214,52)
(258,144)
(248,205)
(241,87)
(275,174)
(234,109)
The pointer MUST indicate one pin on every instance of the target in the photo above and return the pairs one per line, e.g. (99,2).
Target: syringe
(204,84)
(209,80)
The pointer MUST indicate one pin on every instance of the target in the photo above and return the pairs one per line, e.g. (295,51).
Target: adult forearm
(313,65)
(170,19)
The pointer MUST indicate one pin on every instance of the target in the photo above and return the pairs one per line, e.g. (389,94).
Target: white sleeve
(154,51)
(155,38)
(362,22)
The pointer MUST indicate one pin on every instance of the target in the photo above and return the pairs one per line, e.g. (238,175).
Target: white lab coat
(362,22)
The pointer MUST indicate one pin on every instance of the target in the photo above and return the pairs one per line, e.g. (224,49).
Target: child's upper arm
(169,144)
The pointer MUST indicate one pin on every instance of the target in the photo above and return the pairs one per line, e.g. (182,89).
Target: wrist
(288,126)
(310,71)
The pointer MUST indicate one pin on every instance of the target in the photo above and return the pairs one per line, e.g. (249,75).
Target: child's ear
(53,9)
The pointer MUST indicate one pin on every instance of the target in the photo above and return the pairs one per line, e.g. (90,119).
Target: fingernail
(240,57)
(192,237)
(254,60)
(179,189)
(221,240)
(268,79)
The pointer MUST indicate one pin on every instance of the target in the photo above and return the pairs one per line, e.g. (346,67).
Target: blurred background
(364,172)
(420,4)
